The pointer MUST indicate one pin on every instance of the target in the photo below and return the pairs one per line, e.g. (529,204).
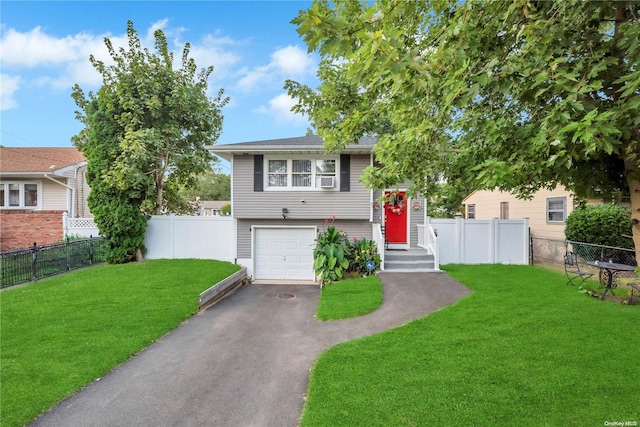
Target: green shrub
(226,209)
(604,224)
(361,252)
(330,256)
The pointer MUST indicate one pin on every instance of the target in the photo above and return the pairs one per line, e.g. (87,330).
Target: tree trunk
(139,257)
(159,198)
(634,195)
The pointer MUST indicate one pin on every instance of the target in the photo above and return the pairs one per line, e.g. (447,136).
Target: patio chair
(635,287)
(572,269)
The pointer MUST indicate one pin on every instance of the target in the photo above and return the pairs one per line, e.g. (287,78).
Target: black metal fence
(24,265)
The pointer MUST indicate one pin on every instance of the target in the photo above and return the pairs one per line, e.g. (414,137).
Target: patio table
(609,270)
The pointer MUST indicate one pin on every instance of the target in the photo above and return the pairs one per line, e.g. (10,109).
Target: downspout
(67,187)
(371,218)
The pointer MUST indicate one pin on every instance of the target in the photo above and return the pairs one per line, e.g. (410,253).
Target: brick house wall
(21,228)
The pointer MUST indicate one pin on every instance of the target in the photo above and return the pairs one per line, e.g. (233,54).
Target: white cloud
(254,77)
(292,61)
(211,51)
(160,25)
(8,87)
(60,62)
(280,109)
(287,62)
(35,48)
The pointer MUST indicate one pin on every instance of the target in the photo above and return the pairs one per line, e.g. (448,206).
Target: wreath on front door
(397,207)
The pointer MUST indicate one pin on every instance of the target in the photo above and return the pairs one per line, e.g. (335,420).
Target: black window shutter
(345,172)
(258,167)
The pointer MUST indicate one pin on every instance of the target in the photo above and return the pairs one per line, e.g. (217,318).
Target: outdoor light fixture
(285,211)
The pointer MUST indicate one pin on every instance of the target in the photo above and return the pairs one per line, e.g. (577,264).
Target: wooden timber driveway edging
(243,362)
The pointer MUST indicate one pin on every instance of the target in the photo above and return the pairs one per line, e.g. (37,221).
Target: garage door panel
(284,253)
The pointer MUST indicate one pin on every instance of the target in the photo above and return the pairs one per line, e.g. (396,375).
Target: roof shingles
(37,160)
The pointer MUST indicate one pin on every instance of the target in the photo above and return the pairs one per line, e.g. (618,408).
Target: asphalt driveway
(243,362)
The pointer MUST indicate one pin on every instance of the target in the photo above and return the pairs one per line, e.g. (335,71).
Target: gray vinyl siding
(416,218)
(379,213)
(318,204)
(353,228)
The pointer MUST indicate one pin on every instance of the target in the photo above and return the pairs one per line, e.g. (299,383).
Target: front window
(556,209)
(325,172)
(301,174)
(277,173)
(19,194)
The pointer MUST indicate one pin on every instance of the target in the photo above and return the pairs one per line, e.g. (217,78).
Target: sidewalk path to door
(244,361)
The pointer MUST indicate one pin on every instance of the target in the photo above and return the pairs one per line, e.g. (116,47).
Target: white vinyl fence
(471,241)
(458,240)
(83,227)
(203,237)
(171,236)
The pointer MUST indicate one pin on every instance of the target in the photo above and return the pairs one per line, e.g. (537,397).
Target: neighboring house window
(504,210)
(19,194)
(300,174)
(471,211)
(556,209)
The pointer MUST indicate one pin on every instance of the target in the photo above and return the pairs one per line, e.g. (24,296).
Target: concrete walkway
(243,362)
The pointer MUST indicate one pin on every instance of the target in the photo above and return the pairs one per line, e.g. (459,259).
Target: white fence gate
(203,237)
(471,241)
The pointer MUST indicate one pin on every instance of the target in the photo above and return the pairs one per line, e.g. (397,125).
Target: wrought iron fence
(24,265)
(551,252)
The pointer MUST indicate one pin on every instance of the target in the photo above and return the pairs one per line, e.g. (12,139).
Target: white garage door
(284,253)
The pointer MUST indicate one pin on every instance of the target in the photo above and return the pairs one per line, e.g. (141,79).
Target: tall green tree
(211,185)
(144,137)
(517,95)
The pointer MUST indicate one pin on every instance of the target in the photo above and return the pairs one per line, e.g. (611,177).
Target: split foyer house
(38,185)
(285,191)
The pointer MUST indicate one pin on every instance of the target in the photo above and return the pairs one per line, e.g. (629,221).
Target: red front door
(395,217)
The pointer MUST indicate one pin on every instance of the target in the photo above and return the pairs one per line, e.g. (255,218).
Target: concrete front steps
(410,260)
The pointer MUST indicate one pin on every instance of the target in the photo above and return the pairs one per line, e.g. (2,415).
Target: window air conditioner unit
(327,182)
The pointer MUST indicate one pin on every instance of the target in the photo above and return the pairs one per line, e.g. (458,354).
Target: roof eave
(229,151)
(61,171)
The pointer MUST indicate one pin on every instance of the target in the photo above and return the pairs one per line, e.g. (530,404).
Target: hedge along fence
(606,224)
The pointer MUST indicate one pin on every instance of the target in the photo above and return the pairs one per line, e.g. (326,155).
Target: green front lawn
(349,298)
(61,333)
(523,349)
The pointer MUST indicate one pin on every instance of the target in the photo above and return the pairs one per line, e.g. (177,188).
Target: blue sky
(45,48)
